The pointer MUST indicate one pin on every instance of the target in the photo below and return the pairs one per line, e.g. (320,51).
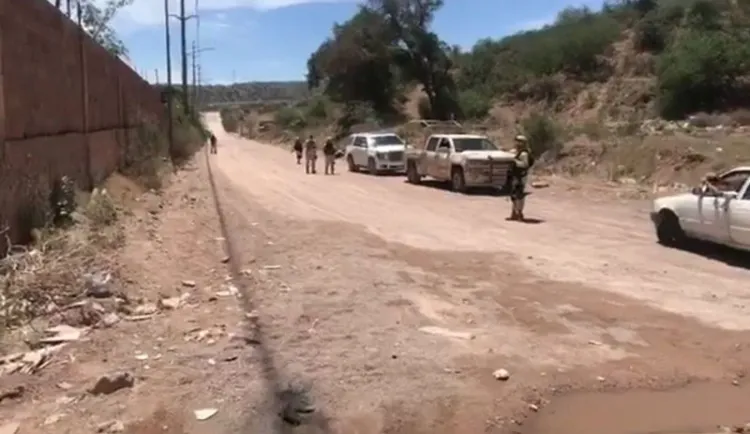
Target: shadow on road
(444,185)
(716,252)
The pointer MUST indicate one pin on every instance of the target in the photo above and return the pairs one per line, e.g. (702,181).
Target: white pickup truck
(719,218)
(466,160)
(378,152)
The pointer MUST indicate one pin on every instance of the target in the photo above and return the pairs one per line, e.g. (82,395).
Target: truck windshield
(388,140)
(473,144)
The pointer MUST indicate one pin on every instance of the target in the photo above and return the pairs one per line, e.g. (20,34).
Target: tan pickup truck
(466,160)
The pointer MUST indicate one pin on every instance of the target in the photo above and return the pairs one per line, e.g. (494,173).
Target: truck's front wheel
(412,175)
(350,162)
(372,167)
(458,182)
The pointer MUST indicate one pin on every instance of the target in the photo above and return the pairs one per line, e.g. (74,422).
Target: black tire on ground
(350,162)
(412,175)
(458,182)
(371,167)
(668,230)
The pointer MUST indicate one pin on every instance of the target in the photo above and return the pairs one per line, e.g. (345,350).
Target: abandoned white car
(721,217)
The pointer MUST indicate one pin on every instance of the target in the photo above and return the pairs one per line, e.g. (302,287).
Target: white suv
(377,152)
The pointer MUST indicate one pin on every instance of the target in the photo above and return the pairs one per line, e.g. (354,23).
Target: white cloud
(151,12)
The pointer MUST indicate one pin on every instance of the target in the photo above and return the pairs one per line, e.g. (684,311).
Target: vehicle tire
(350,162)
(371,167)
(668,230)
(412,175)
(458,182)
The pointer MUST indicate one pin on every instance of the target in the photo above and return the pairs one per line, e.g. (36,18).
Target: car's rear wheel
(668,230)
(350,162)
(458,182)
(412,175)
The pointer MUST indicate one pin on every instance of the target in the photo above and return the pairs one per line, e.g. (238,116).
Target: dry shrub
(51,272)
(740,117)
(145,155)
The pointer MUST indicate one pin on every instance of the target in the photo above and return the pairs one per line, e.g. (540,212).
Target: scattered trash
(29,362)
(533,407)
(272,267)
(447,333)
(141,356)
(64,386)
(111,383)
(62,333)
(600,378)
(593,342)
(189,283)
(205,413)
(501,374)
(225,259)
(113,426)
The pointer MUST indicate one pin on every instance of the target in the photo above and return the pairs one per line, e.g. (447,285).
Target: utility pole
(170,107)
(183,33)
(195,54)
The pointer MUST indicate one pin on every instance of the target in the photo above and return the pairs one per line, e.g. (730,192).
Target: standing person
(298,146)
(213,143)
(311,155)
(329,152)
(521,165)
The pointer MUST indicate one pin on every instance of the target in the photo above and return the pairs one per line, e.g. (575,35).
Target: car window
(734,181)
(359,141)
(432,143)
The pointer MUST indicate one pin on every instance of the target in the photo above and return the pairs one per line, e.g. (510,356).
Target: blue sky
(269,40)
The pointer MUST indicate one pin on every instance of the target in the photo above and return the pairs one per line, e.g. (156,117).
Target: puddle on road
(694,409)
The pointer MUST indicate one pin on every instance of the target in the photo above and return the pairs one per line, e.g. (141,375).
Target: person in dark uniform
(298,148)
(329,153)
(213,143)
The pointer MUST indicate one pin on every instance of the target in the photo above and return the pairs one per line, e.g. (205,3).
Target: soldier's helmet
(521,140)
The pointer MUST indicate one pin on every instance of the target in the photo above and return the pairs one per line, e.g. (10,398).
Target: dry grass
(50,273)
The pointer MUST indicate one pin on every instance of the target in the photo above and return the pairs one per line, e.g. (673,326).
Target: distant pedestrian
(213,143)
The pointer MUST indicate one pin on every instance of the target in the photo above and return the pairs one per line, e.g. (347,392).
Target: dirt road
(584,299)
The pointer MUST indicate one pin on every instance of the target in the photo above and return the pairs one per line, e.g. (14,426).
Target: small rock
(600,378)
(111,383)
(110,319)
(533,407)
(272,267)
(225,259)
(170,303)
(145,309)
(540,184)
(205,413)
(735,383)
(64,386)
(501,374)
(62,333)
(113,426)
(98,285)
(53,418)
(189,283)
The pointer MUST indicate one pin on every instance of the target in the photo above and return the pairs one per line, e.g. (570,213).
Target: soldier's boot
(521,203)
(307,166)
(514,210)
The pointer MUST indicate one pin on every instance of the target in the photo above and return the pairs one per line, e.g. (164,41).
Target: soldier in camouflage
(311,155)
(521,165)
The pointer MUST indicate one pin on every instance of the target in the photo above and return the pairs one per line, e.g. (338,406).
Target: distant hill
(254,92)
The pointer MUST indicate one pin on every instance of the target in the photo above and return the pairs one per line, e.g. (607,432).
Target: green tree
(97,21)
(699,71)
